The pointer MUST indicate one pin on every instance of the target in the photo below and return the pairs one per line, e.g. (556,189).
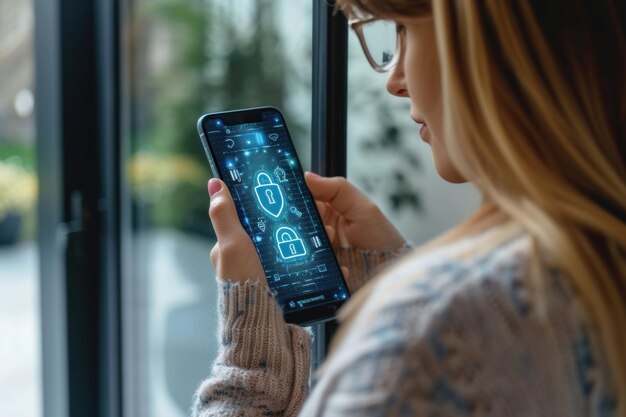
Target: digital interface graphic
(258,163)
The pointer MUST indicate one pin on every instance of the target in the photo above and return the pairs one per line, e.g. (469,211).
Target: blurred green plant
(159,182)
(22,149)
(215,65)
(18,188)
(18,197)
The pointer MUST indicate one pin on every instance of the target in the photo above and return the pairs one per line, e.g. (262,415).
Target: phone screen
(254,155)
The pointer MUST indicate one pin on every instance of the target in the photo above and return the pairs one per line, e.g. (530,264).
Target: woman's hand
(233,256)
(352,221)
(350,217)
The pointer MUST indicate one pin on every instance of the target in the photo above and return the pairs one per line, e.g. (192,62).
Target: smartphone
(252,152)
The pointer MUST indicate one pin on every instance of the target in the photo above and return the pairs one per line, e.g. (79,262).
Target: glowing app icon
(235,175)
(295,211)
(289,243)
(269,195)
(280,174)
(317,242)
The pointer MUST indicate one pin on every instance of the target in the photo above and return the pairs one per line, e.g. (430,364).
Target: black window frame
(329,118)
(76,56)
(79,108)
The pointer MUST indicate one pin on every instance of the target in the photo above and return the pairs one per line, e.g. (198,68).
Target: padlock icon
(289,243)
(269,195)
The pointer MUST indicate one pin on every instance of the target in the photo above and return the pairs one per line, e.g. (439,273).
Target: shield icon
(269,195)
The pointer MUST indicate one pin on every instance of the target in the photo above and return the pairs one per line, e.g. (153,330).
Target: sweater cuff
(251,325)
(366,264)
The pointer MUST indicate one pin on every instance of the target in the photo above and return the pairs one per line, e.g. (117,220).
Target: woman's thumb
(222,210)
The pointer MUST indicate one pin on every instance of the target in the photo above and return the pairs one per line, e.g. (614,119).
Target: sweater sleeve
(365,264)
(263,363)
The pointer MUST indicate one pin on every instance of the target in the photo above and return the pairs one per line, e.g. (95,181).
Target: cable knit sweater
(458,331)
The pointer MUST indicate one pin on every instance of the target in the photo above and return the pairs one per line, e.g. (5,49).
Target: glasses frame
(357,26)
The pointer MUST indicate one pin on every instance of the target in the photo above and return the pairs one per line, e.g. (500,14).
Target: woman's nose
(396,83)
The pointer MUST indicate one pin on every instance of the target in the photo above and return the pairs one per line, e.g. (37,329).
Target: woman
(518,311)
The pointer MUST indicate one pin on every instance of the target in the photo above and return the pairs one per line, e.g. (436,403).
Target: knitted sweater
(458,331)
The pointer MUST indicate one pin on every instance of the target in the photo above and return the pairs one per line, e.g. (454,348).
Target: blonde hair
(534,99)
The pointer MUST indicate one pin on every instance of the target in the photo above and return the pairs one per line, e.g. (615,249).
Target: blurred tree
(229,54)
(216,64)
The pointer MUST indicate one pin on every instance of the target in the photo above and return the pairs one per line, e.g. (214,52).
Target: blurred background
(181,58)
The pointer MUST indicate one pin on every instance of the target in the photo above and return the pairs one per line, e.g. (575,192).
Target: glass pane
(20,373)
(380,37)
(403,182)
(182,59)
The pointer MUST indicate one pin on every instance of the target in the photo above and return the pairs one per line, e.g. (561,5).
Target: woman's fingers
(322,209)
(343,197)
(330,231)
(358,222)
(233,256)
(341,238)
(346,272)
(223,213)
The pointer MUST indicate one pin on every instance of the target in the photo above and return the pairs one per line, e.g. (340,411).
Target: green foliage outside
(18,185)
(215,65)
(22,150)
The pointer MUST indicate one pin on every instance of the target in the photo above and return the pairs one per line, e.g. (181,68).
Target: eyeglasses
(381,41)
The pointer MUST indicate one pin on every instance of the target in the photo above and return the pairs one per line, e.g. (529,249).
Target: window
(20,377)
(186,58)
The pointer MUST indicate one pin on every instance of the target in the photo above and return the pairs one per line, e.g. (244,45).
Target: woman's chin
(447,171)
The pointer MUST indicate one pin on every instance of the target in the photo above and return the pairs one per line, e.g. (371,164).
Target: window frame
(76,55)
(329,118)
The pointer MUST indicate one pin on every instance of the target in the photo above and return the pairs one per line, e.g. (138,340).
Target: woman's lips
(424,133)
(423,127)
(422,130)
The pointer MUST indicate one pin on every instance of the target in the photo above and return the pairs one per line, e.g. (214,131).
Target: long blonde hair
(534,96)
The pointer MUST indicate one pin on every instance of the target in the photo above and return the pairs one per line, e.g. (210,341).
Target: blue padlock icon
(289,243)
(269,195)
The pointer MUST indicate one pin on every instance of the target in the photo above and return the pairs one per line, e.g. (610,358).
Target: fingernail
(214,186)
(313,174)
